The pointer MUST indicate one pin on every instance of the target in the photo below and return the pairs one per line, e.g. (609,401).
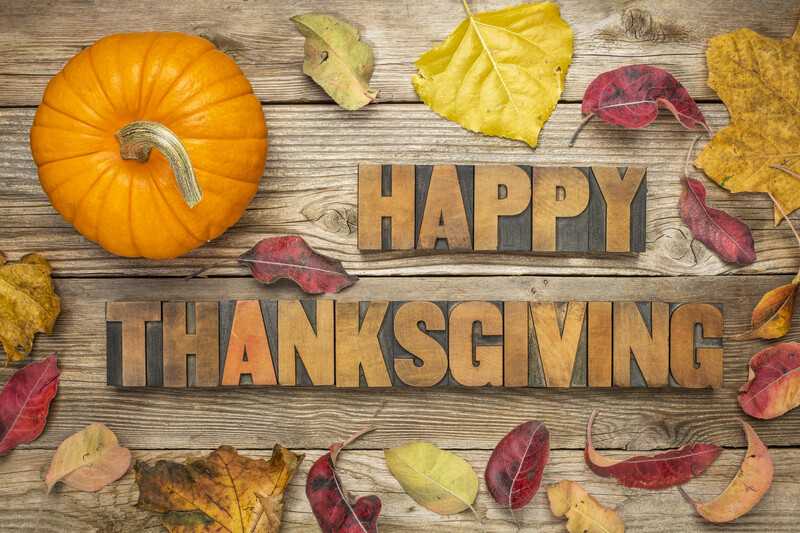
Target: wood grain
(310,189)
(465,417)
(36,43)
(365,472)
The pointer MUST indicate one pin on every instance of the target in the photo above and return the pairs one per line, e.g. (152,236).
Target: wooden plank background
(309,188)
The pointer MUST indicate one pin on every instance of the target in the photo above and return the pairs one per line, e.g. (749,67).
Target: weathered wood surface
(310,189)
(204,418)
(39,37)
(365,472)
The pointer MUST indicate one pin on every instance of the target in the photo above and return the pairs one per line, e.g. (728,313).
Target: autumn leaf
(652,472)
(291,258)
(773,314)
(28,304)
(774,387)
(88,460)
(723,234)
(336,510)
(748,71)
(584,513)
(500,72)
(337,59)
(630,96)
(25,402)
(224,491)
(436,479)
(747,488)
(515,467)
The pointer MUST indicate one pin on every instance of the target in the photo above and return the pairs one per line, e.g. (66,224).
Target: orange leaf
(773,314)
(746,489)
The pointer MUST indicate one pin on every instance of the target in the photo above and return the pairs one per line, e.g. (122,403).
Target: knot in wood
(642,25)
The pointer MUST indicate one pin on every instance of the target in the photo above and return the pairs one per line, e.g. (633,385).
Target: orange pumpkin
(128,93)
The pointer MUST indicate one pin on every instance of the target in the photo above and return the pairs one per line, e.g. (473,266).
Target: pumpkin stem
(137,138)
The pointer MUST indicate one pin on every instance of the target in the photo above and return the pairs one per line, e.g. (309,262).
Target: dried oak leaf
(337,59)
(500,72)
(224,491)
(758,80)
(28,304)
(774,387)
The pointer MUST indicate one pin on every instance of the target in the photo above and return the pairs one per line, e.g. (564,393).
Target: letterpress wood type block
(361,358)
(559,331)
(386,207)
(475,342)
(558,192)
(502,207)
(641,344)
(250,354)
(444,207)
(129,355)
(696,353)
(420,344)
(306,342)
(191,339)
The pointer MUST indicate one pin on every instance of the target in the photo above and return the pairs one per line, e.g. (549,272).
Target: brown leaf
(584,514)
(773,314)
(747,488)
(292,258)
(28,304)
(223,492)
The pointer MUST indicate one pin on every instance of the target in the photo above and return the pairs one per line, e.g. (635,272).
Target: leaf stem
(208,267)
(579,128)
(41,506)
(469,14)
(785,216)
(689,155)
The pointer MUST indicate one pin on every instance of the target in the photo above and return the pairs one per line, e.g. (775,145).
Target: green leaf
(337,60)
(500,72)
(436,479)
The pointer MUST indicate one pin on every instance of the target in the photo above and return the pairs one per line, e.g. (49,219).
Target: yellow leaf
(584,513)
(437,479)
(28,304)
(758,80)
(224,492)
(500,72)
